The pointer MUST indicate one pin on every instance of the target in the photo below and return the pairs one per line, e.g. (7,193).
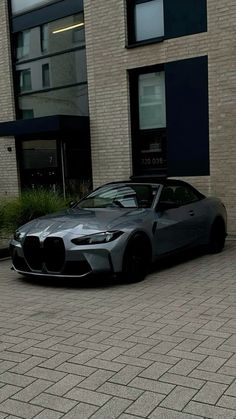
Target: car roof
(157,180)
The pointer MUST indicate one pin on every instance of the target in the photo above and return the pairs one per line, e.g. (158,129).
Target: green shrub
(29,205)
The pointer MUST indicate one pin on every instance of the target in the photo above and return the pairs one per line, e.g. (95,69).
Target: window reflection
(44,37)
(152,112)
(23,45)
(24,77)
(149,20)
(56,71)
(39,154)
(51,69)
(51,38)
(69,101)
(20,6)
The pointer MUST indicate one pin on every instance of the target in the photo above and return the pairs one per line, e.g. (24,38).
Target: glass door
(41,164)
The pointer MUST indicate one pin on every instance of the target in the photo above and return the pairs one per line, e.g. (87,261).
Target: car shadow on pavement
(105,281)
(176,259)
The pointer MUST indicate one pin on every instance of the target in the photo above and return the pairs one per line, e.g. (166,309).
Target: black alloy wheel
(217,237)
(136,259)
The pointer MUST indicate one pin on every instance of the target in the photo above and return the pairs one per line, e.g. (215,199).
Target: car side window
(184,195)
(167,195)
(178,194)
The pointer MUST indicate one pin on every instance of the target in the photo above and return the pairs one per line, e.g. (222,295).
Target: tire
(136,259)
(217,237)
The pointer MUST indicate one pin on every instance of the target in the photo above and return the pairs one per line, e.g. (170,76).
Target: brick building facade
(9,183)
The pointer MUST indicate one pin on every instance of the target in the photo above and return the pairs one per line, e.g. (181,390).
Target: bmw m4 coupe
(120,228)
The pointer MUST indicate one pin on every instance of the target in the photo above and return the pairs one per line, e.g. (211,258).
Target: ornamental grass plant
(30,204)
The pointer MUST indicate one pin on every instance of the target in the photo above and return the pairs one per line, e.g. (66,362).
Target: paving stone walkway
(163,348)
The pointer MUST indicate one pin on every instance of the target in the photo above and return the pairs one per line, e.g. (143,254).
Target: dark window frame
(182,156)
(131,4)
(173,12)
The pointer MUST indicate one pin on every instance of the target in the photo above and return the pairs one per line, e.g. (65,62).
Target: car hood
(86,221)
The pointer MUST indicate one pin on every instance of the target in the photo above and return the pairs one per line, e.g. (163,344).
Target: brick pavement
(163,348)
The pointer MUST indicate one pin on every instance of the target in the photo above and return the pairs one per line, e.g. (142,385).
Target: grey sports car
(120,228)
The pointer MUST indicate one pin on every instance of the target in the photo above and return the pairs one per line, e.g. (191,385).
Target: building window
(78,36)
(23,44)
(148,19)
(152,113)
(145,20)
(51,38)
(155,20)
(148,117)
(44,38)
(25,80)
(170,118)
(52,79)
(27,113)
(45,75)
(38,154)
(67,101)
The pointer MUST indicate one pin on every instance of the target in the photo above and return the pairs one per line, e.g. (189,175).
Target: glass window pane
(59,35)
(20,6)
(44,37)
(38,154)
(27,113)
(23,44)
(152,109)
(149,20)
(69,101)
(65,69)
(24,77)
(45,75)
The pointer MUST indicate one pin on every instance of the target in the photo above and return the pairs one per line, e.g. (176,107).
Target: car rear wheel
(136,259)
(217,237)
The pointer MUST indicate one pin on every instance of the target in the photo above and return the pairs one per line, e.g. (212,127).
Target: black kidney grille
(33,253)
(19,263)
(54,254)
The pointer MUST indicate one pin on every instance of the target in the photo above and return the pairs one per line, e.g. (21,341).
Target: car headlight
(18,236)
(98,238)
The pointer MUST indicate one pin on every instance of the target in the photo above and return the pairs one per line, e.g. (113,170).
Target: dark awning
(58,124)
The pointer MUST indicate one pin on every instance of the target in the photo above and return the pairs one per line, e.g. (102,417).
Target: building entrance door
(41,164)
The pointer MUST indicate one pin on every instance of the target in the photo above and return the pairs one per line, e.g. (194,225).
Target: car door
(179,218)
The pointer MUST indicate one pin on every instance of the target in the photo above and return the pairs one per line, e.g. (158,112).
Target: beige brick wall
(108,61)
(8,168)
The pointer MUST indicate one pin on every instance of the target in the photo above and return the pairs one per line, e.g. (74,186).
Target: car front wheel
(136,259)
(217,237)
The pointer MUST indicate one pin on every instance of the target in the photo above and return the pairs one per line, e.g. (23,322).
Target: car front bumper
(76,261)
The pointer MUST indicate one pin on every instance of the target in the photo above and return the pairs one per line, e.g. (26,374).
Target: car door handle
(191,212)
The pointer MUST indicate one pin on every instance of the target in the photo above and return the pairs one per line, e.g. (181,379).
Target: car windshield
(122,195)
